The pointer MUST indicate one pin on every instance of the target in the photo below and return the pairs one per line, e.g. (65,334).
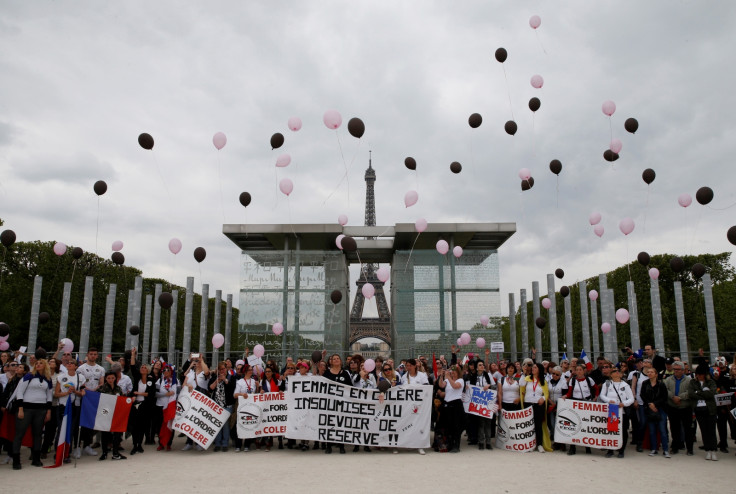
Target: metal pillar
(109,320)
(656,316)
(552,313)
(65,299)
(203,319)
(633,316)
(536,314)
(86,317)
(710,317)
(188,304)
(171,358)
(35,309)
(524,326)
(512,328)
(584,322)
(680,313)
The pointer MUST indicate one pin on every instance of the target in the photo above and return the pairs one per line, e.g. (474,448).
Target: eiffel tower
(370,327)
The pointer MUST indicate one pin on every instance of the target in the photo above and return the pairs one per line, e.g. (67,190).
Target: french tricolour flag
(104,412)
(65,435)
(584,357)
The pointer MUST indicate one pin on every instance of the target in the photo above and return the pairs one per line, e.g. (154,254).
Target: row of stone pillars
(589,312)
(152,319)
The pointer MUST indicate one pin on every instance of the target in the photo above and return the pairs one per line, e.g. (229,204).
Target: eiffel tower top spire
(370,200)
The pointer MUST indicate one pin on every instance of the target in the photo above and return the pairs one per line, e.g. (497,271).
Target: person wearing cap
(702,391)
(679,409)
(615,391)
(668,370)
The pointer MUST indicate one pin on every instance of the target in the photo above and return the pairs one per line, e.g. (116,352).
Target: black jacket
(229,389)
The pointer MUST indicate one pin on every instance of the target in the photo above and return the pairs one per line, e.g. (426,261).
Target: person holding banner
(617,392)
(222,389)
(71,386)
(451,415)
(196,377)
(166,407)
(244,386)
(654,396)
(511,397)
(702,394)
(581,387)
(534,393)
(413,377)
(338,374)
(270,383)
(485,424)
(110,387)
(33,398)
(557,386)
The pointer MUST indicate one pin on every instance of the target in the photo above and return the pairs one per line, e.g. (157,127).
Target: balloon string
(276,182)
(97,231)
(288,203)
(155,160)
(540,41)
(646,209)
(610,127)
(73,270)
(557,193)
(534,132)
(628,264)
(722,209)
(508,90)
(342,155)
(411,251)
(219,178)
(345,176)
(695,230)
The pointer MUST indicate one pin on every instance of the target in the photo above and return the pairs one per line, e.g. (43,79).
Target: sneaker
(186,447)
(268,448)
(160,447)
(639,449)
(245,450)
(708,455)
(540,449)
(237,450)
(342,449)
(489,446)
(96,445)
(77,453)
(198,447)
(570,452)
(713,456)
(103,457)
(481,446)
(67,460)
(6,460)
(366,449)
(620,454)
(421,451)
(328,450)
(690,453)
(119,457)
(653,452)
(724,450)
(609,454)
(454,450)
(88,451)
(667,454)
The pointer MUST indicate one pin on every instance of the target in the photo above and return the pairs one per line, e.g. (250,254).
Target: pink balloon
(332,119)
(59,249)
(217,340)
(535,21)
(525,174)
(117,245)
(654,273)
(546,303)
(626,226)
(442,247)
(616,145)
(295,123)
(459,342)
(457,251)
(594,218)
(174,245)
(369,365)
(68,345)
(277,328)
(684,200)
(593,295)
(606,328)
(411,198)
(484,320)
(537,81)
(219,140)
(382,274)
(368,291)
(4,345)
(258,351)
(283,160)
(5,338)
(609,108)
(338,241)
(420,225)
(286,186)
(342,219)
(622,316)
(480,342)
(465,338)
(598,230)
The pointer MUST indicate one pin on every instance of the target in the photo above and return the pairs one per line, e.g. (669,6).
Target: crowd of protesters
(663,401)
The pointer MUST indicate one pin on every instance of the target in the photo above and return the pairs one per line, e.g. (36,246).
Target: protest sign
(586,423)
(497,347)
(482,403)
(261,415)
(198,417)
(723,399)
(516,430)
(254,361)
(323,410)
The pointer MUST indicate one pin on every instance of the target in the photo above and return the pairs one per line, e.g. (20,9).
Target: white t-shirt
(642,377)
(497,376)
(93,374)
(557,390)
(200,381)
(418,380)
(243,386)
(481,380)
(510,390)
(534,391)
(125,384)
(581,390)
(451,393)
(65,382)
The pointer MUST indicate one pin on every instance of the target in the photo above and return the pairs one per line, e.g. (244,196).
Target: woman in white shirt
(71,386)
(619,393)
(451,382)
(535,392)
(511,398)
(244,387)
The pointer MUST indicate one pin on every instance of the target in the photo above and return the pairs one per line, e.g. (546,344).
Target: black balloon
(698,270)
(643,258)
(4,329)
(501,55)
(336,296)
(631,125)
(77,252)
(384,386)
(166,300)
(410,163)
(564,290)
(534,104)
(146,141)
(100,187)
(349,244)
(43,318)
(677,264)
(559,273)
(704,195)
(316,356)
(118,258)
(475,120)
(541,322)
(648,175)
(510,127)
(456,167)
(609,155)
(356,127)
(731,235)
(245,199)
(277,140)
(555,166)
(527,184)
(40,353)
(7,237)
(134,330)
(199,254)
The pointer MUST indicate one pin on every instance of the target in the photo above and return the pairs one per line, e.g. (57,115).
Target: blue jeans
(223,437)
(660,426)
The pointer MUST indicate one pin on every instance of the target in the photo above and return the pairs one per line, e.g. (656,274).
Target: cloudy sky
(79,81)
